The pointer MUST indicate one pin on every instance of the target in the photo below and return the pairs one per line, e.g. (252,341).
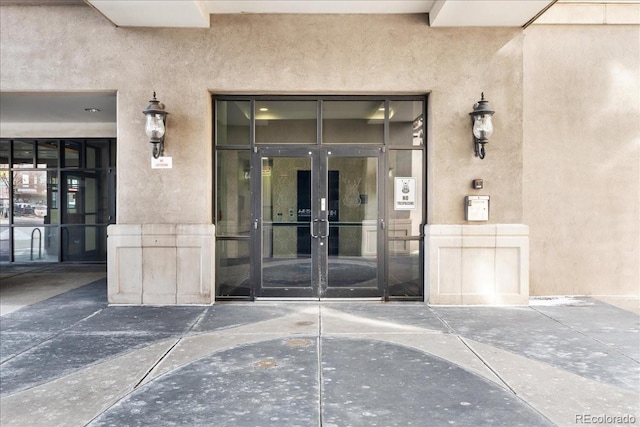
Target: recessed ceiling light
(264,109)
(92,110)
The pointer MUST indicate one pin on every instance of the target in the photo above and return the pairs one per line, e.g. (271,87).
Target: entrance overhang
(442,13)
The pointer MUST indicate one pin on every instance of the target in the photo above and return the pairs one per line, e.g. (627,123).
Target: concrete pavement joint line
(467,365)
(153,366)
(166,354)
(52,336)
(485,363)
(48,338)
(503,380)
(97,387)
(255,333)
(586,335)
(444,322)
(558,394)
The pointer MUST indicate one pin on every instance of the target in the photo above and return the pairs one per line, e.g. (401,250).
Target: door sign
(405,193)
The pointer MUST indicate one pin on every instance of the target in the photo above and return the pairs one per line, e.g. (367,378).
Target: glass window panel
(5,197)
(232,274)
(405,167)
(4,153)
(5,246)
(84,243)
(72,150)
(31,197)
(404,268)
(233,123)
(97,154)
(47,154)
(35,244)
(406,123)
(233,193)
(353,122)
(286,122)
(23,152)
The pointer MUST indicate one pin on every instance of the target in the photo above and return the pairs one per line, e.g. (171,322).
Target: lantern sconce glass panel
(156,125)
(482,125)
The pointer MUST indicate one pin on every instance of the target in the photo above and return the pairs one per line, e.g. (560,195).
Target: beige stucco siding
(582,158)
(74,48)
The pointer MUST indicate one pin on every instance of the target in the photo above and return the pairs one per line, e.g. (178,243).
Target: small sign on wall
(405,193)
(162,163)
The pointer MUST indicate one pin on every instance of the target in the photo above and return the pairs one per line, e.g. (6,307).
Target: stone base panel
(175,264)
(477,264)
(161,263)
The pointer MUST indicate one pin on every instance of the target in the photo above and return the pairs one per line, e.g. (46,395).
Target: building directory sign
(405,193)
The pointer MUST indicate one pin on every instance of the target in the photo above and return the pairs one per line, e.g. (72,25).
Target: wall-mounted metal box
(476,208)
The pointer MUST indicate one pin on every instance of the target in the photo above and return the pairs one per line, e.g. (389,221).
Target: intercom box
(476,208)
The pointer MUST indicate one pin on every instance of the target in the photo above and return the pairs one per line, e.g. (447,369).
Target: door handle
(312,226)
(327,229)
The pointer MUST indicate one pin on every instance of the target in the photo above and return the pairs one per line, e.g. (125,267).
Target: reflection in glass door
(353,264)
(286,230)
(317,221)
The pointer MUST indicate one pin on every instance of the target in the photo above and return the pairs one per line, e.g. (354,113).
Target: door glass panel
(233,193)
(353,122)
(233,123)
(286,219)
(85,199)
(232,272)
(286,122)
(84,243)
(353,218)
(406,123)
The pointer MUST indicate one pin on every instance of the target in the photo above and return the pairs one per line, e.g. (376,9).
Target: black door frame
(384,147)
(319,225)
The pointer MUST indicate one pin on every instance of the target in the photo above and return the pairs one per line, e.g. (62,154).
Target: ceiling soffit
(442,13)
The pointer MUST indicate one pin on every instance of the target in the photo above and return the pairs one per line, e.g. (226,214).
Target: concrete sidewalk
(72,360)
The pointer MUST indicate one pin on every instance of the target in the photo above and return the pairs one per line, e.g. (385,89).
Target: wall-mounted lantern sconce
(482,125)
(155,126)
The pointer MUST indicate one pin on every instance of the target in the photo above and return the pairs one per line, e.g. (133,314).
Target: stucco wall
(67,48)
(582,158)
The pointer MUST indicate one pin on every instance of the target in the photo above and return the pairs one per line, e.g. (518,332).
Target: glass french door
(317,223)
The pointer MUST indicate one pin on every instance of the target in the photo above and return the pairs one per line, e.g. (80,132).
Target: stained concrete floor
(67,358)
